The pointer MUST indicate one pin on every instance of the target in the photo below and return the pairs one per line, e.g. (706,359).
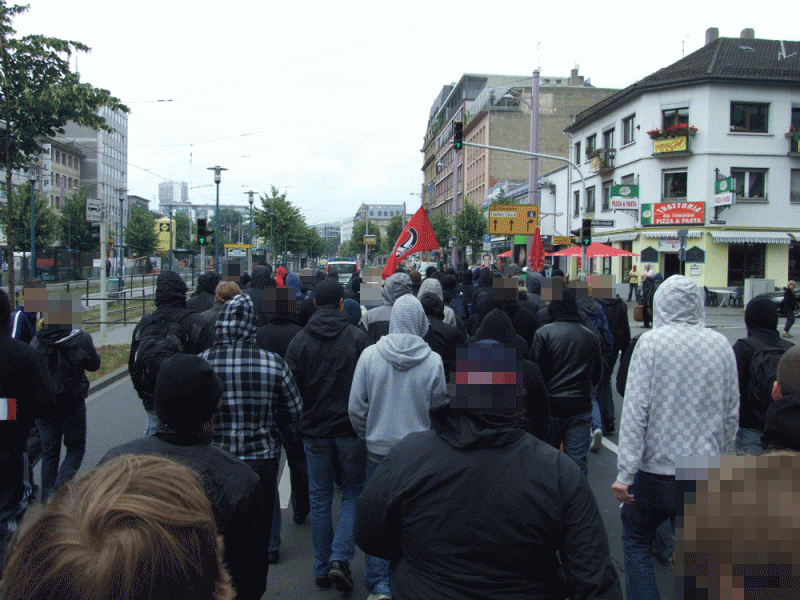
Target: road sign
(94,210)
(562,240)
(237,246)
(164,227)
(370,240)
(513,219)
(602,223)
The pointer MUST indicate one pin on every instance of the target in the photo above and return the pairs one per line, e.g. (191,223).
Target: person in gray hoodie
(376,321)
(431,285)
(396,383)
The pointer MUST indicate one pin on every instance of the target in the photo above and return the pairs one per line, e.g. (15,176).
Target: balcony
(672,141)
(794,143)
(601,160)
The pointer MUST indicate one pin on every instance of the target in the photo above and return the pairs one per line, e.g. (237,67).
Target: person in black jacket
(616,312)
(571,361)
(203,297)
(788,307)
(27,391)
(260,280)
(427,509)
(69,353)
(186,398)
(170,304)
(441,337)
(323,359)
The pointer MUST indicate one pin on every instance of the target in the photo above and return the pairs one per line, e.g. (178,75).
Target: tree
(46,228)
(442,228)
(470,226)
(286,225)
(76,231)
(40,95)
(140,234)
(393,231)
(332,245)
(356,244)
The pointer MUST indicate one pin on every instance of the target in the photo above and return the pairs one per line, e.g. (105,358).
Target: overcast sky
(329,101)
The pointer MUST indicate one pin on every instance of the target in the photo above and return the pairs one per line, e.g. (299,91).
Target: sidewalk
(114,335)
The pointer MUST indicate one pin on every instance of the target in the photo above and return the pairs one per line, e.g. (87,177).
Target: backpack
(159,339)
(763,372)
(65,373)
(459,306)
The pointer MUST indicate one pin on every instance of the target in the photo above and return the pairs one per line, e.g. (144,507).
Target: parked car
(777,297)
(345,269)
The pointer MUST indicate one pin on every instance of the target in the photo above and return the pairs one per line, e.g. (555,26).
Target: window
(675,116)
(577,209)
(578,157)
(607,194)
(590,199)
(591,143)
(749,117)
(795,187)
(628,126)
(608,139)
(58,179)
(750,183)
(675,184)
(795,118)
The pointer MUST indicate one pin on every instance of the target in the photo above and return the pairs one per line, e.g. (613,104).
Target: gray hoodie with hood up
(376,321)
(682,392)
(396,381)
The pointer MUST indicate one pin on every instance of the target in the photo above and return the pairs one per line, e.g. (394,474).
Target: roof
(725,60)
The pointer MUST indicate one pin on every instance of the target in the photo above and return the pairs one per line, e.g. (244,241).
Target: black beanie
(187,391)
(328,292)
(761,312)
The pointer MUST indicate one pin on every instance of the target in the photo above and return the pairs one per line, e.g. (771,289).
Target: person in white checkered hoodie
(681,400)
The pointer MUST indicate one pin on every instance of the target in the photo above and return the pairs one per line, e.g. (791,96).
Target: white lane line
(285,487)
(610,445)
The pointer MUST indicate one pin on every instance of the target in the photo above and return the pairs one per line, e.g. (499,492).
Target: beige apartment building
(495,110)
(65,173)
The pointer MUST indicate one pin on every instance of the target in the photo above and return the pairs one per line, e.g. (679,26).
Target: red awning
(594,250)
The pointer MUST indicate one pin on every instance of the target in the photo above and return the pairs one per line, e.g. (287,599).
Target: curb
(107,380)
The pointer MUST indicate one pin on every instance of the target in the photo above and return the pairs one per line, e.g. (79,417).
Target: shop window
(745,261)
(675,184)
(675,116)
(749,117)
(751,184)
(628,129)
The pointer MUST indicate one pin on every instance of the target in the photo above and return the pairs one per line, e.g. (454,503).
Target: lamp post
(32,180)
(121,245)
(272,230)
(251,194)
(217,178)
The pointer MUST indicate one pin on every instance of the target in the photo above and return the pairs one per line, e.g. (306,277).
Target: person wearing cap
(186,397)
(323,359)
(761,321)
(396,383)
(782,423)
(441,509)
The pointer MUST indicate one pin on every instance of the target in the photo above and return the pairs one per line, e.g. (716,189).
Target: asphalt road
(115,416)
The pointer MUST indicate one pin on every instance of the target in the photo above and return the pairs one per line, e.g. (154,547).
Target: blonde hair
(226,290)
(134,528)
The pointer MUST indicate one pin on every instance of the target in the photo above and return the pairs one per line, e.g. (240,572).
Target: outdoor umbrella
(506,254)
(594,250)
(536,256)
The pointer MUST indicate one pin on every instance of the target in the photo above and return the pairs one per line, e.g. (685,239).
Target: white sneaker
(597,440)
(379,597)
(786,334)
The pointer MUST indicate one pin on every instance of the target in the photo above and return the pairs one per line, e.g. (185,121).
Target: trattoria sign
(674,213)
(675,144)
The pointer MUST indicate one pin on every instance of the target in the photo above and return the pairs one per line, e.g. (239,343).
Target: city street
(115,416)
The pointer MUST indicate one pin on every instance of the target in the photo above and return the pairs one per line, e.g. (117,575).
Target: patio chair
(711,297)
(737,299)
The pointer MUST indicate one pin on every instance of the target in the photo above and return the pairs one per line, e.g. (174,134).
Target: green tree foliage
(356,244)
(140,234)
(46,228)
(75,230)
(291,233)
(182,230)
(442,228)
(331,245)
(40,95)
(393,231)
(470,226)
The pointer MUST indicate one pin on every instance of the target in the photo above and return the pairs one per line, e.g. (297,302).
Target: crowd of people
(456,417)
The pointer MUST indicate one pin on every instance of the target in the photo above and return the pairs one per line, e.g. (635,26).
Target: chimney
(574,78)
(712,35)
(747,34)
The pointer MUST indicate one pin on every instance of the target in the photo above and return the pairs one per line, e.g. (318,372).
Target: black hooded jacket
(203,298)
(322,358)
(504,546)
(77,348)
(260,280)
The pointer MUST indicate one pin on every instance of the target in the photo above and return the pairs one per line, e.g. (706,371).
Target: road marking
(610,445)
(284,487)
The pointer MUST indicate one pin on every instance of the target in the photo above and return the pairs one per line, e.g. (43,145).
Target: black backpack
(158,339)
(763,373)
(65,373)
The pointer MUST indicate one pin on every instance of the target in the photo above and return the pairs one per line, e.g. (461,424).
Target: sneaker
(597,440)
(323,582)
(339,573)
(786,334)
(379,597)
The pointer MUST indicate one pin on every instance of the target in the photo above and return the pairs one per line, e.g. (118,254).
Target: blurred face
(487,260)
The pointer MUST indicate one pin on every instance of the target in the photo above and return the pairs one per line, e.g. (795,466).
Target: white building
(723,112)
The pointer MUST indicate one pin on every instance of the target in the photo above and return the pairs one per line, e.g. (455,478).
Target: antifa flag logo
(410,242)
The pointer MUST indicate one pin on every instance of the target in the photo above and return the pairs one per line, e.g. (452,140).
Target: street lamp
(121,245)
(217,178)
(32,180)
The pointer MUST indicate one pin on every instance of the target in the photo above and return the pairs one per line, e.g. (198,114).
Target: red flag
(536,256)
(417,236)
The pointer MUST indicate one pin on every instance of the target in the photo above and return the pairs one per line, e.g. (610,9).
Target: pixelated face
(552,289)
(281,301)
(487,378)
(58,307)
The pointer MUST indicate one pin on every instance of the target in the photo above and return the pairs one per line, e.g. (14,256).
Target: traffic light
(576,236)
(202,233)
(96,232)
(458,135)
(586,232)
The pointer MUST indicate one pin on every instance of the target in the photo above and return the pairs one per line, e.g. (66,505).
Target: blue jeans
(152,423)
(655,503)
(68,424)
(376,570)
(748,441)
(597,420)
(575,432)
(275,536)
(330,546)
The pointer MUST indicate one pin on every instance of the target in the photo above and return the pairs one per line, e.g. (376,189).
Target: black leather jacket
(571,361)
